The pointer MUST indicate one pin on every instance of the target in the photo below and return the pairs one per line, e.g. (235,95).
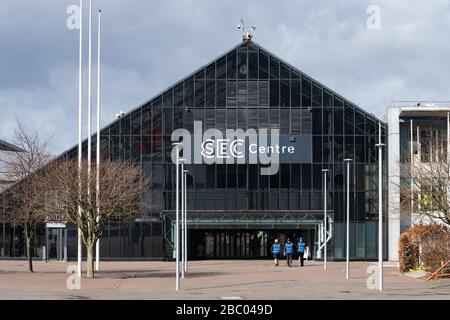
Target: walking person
(301,250)
(289,252)
(276,250)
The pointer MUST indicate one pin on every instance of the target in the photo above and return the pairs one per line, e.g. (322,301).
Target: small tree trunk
(90,260)
(28,241)
(30,260)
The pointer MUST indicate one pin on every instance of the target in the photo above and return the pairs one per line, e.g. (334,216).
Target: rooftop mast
(246,36)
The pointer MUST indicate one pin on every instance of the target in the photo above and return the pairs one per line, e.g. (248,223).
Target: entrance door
(242,244)
(56,244)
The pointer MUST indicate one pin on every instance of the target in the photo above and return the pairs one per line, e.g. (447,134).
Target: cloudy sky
(148,45)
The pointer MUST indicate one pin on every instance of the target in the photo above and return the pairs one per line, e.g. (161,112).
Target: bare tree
(425,183)
(25,195)
(121,187)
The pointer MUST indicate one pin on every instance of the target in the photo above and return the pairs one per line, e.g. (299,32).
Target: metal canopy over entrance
(245,219)
(239,234)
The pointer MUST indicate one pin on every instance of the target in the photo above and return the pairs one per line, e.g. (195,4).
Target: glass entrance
(241,244)
(56,244)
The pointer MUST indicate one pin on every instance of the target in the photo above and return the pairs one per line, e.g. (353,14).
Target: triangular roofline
(374,118)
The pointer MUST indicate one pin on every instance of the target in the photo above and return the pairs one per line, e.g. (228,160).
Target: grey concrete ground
(257,279)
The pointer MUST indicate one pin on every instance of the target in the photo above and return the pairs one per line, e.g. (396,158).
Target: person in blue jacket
(289,252)
(276,250)
(301,250)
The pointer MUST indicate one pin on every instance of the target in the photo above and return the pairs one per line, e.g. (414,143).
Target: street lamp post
(182,220)
(325,218)
(380,207)
(347,265)
(177,228)
(185,220)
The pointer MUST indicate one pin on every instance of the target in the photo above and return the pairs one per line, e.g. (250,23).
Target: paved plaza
(214,279)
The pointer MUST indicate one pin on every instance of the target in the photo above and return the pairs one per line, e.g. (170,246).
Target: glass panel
(231,65)
(211,71)
(285,93)
(221,68)
(252,65)
(349,119)
(231,93)
(317,96)
(200,75)
(210,94)
(242,65)
(263,93)
(317,120)
(284,71)
(136,122)
(295,121)
(295,93)
(168,98)
(306,92)
(199,93)
(338,121)
(221,93)
(189,92)
(178,96)
(125,125)
(274,93)
(242,93)
(274,68)
(263,65)
(253,93)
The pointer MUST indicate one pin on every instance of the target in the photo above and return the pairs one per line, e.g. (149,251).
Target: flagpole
(380,208)
(89,151)
(182,220)
(80,103)
(97,193)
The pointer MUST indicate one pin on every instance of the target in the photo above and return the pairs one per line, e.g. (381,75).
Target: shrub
(424,246)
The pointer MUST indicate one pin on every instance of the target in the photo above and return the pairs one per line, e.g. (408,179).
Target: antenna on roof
(246,36)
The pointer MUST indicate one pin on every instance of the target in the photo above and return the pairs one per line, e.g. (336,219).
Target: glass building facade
(233,210)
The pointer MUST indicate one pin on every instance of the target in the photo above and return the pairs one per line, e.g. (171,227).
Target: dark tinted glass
(306,92)
(263,65)
(285,93)
(274,93)
(242,65)
(274,68)
(178,96)
(211,71)
(253,65)
(295,93)
(221,68)
(284,71)
(231,65)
